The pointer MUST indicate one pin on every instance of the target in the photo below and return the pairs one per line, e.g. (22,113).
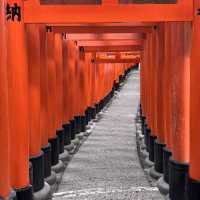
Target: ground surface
(107,164)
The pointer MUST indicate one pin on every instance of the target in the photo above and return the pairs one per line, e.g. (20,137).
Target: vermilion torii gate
(40,57)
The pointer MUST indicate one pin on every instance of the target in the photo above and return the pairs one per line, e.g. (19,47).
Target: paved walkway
(107,164)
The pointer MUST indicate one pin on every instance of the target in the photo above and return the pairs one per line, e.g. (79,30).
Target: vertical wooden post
(66,96)
(44,119)
(36,155)
(178,165)
(71,57)
(52,98)
(167,81)
(153,94)
(163,183)
(4,120)
(160,141)
(194,173)
(58,56)
(18,104)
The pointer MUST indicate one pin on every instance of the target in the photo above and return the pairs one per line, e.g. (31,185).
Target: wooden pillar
(92,86)
(18,104)
(4,120)
(66,94)
(77,89)
(153,94)
(52,97)
(178,165)
(167,82)
(71,53)
(59,78)
(58,56)
(194,173)
(36,155)
(160,93)
(44,119)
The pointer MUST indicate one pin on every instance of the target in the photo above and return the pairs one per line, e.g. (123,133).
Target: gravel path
(107,164)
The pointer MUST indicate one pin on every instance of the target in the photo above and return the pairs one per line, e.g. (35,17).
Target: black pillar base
(120,79)
(178,175)
(67,133)
(25,193)
(89,113)
(47,160)
(147,132)
(87,116)
(31,173)
(97,108)
(93,113)
(140,111)
(101,105)
(78,124)
(117,86)
(151,147)
(38,171)
(61,138)
(158,156)
(54,150)
(143,124)
(73,127)
(166,155)
(83,124)
(193,187)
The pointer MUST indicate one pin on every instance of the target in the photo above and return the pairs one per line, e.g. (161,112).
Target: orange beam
(116,60)
(110,43)
(113,48)
(105,36)
(35,13)
(102,29)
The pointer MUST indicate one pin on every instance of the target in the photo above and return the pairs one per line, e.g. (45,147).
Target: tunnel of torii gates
(60,64)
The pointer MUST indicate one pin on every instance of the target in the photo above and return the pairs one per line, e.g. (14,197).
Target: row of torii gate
(60,64)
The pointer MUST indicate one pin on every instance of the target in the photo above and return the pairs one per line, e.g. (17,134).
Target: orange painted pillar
(159,143)
(153,94)
(178,165)
(58,56)
(91,107)
(167,82)
(5,187)
(52,97)
(83,86)
(59,78)
(44,119)
(18,103)
(36,155)
(66,96)
(71,57)
(79,52)
(194,173)
(146,93)
(93,73)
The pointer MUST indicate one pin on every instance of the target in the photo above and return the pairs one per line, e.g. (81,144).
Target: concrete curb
(76,141)
(163,186)
(144,154)
(44,193)
(69,147)
(58,168)
(80,136)
(65,156)
(51,180)
(147,163)
(154,174)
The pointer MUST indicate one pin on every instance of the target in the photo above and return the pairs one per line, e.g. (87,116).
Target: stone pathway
(107,164)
